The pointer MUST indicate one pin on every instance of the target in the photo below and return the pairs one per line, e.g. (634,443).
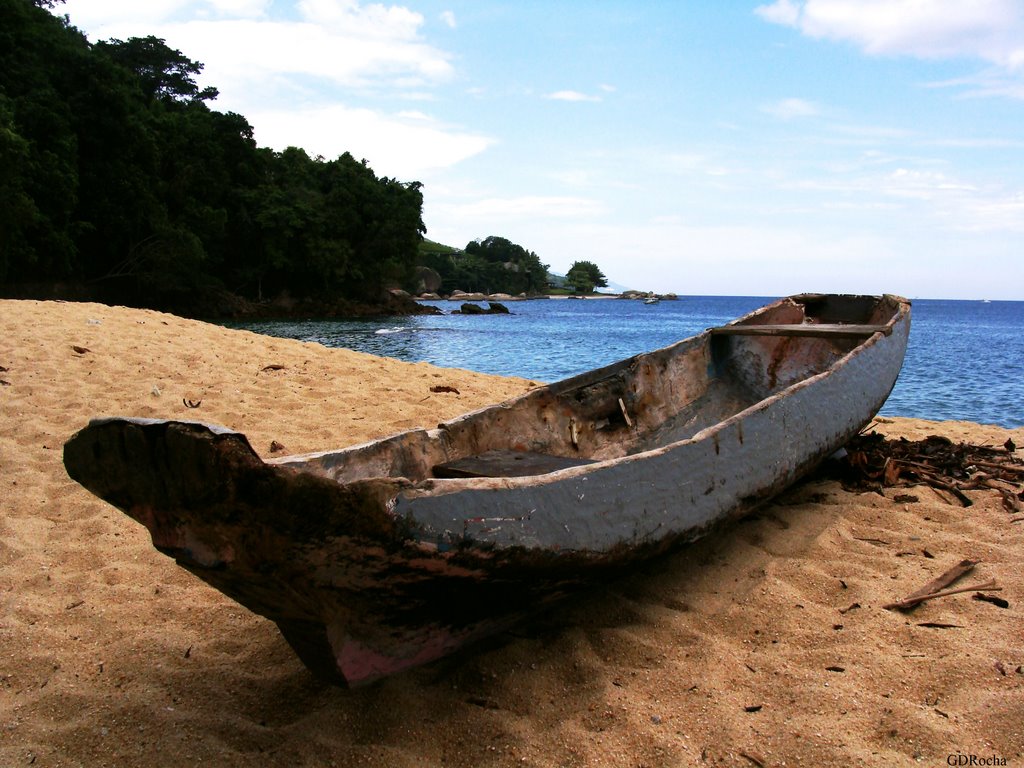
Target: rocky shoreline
(219,304)
(504,297)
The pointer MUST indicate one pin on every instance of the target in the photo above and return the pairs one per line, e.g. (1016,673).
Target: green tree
(18,214)
(39,60)
(495,264)
(584,276)
(382,222)
(115,172)
(163,72)
(332,228)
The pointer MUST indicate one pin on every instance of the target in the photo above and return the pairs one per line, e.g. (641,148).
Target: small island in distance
(495,269)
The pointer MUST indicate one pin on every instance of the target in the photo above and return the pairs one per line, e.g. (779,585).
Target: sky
(702,147)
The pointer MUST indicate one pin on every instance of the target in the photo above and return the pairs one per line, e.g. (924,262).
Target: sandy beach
(764,644)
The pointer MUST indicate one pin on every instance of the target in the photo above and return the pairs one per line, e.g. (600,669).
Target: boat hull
(371,576)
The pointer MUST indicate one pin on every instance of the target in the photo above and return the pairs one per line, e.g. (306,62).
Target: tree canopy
(585,276)
(115,171)
(162,72)
(489,265)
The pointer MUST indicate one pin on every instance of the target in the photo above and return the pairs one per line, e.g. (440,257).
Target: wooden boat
(379,557)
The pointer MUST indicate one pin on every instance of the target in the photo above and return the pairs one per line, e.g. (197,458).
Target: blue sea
(965,359)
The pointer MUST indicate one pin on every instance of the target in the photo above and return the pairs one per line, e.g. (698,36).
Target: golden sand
(763,644)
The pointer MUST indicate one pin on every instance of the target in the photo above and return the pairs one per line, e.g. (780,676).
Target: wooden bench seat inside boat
(824,330)
(506,464)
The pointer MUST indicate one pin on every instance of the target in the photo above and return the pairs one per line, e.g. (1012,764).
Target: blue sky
(749,148)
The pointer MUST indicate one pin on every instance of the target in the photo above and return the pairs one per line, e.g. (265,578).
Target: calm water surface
(965,359)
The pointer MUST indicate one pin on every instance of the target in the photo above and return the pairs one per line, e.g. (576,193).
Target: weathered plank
(832,330)
(507,464)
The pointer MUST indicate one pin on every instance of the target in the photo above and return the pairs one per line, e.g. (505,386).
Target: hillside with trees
(121,183)
(490,265)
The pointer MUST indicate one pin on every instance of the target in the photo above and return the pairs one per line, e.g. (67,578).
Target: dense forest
(490,265)
(118,178)
(120,183)
(496,265)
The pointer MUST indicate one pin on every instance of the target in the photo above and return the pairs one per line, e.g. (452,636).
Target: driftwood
(934,587)
(873,461)
(991,599)
(989,585)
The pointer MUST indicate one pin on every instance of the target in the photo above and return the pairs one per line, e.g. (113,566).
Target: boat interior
(632,406)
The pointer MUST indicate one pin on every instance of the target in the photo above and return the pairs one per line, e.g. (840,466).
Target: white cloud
(938,201)
(90,14)
(352,20)
(690,163)
(250,9)
(666,254)
(448,18)
(781,12)
(872,133)
(338,41)
(581,178)
(1001,214)
(988,30)
(976,143)
(288,76)
(414,114)
(790,109)
(992,82)
(991,30)
(527,206)
(402,148)
(571,96)
(922,185)
(958,205)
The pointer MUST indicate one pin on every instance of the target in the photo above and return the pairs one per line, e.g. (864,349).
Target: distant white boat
(652,300)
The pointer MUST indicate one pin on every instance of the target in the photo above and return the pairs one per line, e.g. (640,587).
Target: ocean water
(965,359)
